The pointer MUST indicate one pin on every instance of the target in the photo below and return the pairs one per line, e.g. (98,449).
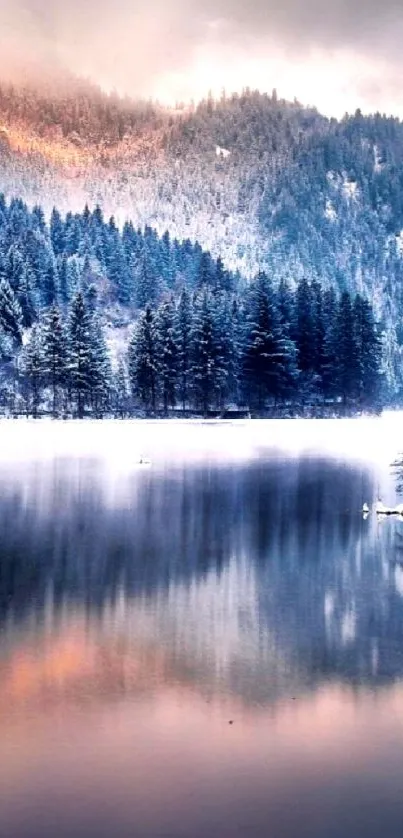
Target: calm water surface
(144,609)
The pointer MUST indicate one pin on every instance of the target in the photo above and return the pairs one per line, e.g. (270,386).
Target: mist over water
(142,609)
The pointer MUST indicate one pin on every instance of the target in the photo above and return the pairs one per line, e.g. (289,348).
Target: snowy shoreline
(121,443)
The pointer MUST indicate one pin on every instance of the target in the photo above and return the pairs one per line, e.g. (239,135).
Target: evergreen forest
(101,321)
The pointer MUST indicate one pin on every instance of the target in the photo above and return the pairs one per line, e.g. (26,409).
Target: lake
(207,645)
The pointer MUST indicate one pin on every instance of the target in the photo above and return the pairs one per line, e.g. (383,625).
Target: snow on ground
(378,160)
(350,188)
(330,211)
(120,444)
(117,340)
(222,152)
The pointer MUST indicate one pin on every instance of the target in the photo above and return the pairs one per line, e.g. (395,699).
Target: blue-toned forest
(101,321)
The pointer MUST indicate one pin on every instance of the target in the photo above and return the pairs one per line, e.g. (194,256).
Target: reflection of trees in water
(59,528)
(251,577)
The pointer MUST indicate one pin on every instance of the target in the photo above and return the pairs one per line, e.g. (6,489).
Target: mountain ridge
(262,183)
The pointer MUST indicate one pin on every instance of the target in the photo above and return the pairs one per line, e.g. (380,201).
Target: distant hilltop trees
(4,139)
(97,321)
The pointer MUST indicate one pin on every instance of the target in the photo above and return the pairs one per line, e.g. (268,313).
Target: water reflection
(255,579)
(140,615)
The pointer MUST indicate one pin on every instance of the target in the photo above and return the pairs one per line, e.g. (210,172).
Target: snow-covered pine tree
(28,297)
(121,391)
(207,272)
(184,326)
(267,356)
(205,352)
(64,290)
(285,301)
(31,369)
(319,329)
(168,354)
(80,353)
(50,281)
(369,353)
(236,354)
(73,277)
(38,218)
(285,305)
(14,267)
(119,273)
(304,336)
(144,361)
(329,376)
(10,312)
(347,352)
(147,282)
(55,357)
(225,361)
(101,371)
(57,232)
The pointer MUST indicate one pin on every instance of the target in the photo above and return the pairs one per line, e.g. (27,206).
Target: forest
(98,321)
(264,184)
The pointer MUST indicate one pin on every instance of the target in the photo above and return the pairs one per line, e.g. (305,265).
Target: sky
(336,55)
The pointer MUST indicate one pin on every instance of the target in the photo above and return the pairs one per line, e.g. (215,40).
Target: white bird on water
(143,461)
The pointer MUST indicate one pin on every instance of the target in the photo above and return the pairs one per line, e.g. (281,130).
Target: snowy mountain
(263,183)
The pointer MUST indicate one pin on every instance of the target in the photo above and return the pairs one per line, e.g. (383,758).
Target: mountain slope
(261,182)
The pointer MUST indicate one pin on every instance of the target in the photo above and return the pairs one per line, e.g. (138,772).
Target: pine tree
(32,366)
(226,354)
(50,281)
(121,392)
(267,355)
(28,298)
(54,355)
(348,360)
(204,352)
(319,329)
(14,268)
(285,306)
(184,326)
(207,274)
(118,271)
(168,354)
(235,351)
(369,353)
(101,372)
(38,218)
(80,353)
(144,362)
(10,312)
(146,280)
(304,335)
(329,377)
(64,283)
(57,233)
(286,311)
(73,278)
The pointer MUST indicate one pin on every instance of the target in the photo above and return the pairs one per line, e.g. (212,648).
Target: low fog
(336,56)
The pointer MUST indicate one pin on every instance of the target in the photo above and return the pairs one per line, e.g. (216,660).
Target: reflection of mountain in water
(255,579)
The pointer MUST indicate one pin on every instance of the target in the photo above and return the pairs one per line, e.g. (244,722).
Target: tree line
(193,336)
(199,353)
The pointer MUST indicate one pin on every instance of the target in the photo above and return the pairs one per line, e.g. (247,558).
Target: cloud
(148,46)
